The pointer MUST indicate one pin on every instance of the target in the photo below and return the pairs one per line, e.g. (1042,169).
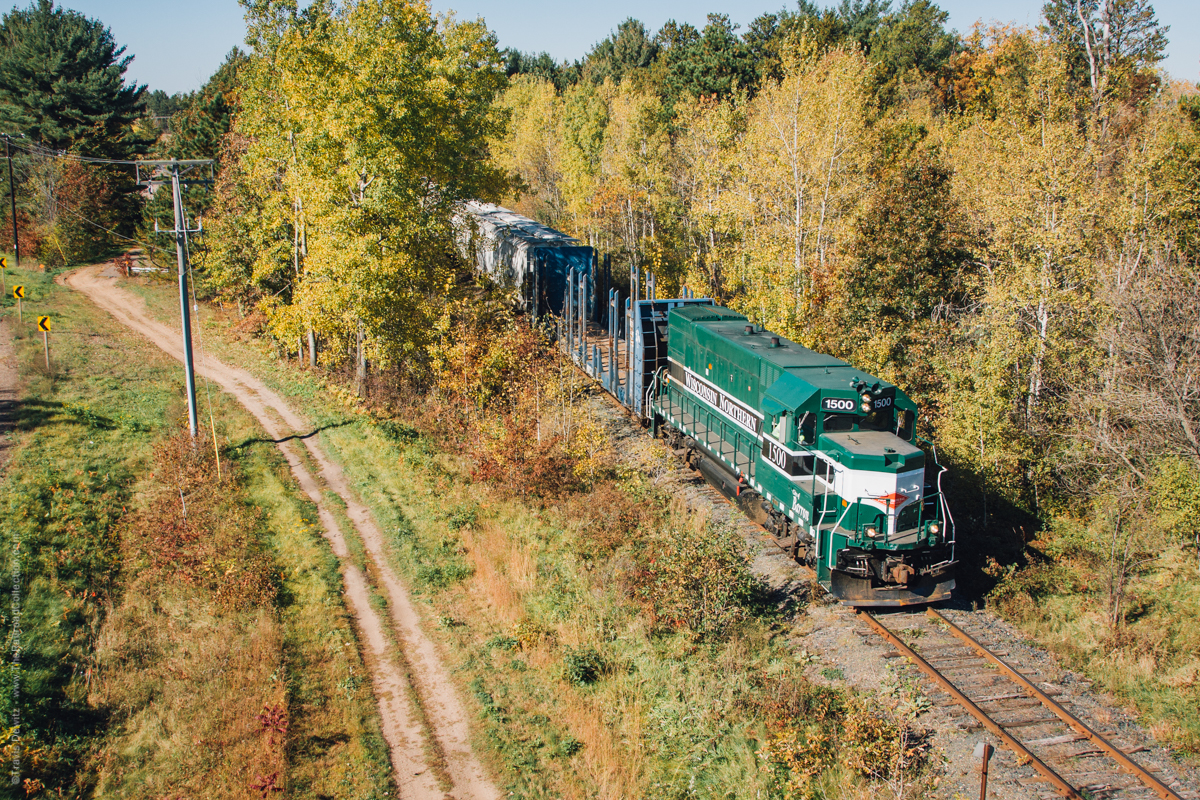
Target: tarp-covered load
(522,254)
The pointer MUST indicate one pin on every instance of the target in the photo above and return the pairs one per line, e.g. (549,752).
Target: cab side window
(780,428)
(808,429)
(836,423)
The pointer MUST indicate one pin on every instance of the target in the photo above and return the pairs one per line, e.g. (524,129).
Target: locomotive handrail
(650,390)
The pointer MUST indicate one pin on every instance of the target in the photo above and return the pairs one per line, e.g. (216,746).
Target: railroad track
(1073,759)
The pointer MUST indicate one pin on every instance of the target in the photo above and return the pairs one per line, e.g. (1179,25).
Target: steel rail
(1064,788)
(1066,716)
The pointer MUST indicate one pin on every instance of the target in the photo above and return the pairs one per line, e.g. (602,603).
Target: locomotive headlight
(871,532)
(866,397)
(865,406)
(934,527)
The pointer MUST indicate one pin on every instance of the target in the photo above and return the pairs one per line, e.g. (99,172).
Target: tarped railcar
(521,255)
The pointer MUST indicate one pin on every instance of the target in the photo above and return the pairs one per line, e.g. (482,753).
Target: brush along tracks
(1072,758)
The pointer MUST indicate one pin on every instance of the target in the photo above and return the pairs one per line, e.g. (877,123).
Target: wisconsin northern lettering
(724,403)
(739,414)
(702,390)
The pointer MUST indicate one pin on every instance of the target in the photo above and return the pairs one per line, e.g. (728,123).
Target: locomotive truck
(819,453)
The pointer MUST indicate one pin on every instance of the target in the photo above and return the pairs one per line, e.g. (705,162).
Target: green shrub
(700,580)
(582,666)
(463,517)
(443,574)
(398,432)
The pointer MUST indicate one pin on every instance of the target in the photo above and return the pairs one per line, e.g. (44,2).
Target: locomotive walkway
(424,722)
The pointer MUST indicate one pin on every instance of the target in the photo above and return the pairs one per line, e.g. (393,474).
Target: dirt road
(415,675)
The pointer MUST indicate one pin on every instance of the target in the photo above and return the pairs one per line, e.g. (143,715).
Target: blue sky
(178,45)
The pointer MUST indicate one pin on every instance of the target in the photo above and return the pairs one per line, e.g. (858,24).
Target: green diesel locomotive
(818,452)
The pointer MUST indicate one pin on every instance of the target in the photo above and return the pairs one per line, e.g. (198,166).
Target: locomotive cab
(861,512)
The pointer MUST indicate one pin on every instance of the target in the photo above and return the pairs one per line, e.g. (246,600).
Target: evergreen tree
(629,48)
(62,82)
(911,44)
(540,65)
(909,234)
(713,64)
(862,19)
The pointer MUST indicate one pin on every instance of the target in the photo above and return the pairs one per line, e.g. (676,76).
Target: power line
(110,231)
(42,150)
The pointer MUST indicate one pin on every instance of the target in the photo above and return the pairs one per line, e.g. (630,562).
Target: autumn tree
(1027,183)
(798,186)
(363,130)
(531,147)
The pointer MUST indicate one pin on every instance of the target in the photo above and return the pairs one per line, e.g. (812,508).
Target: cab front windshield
(881,419)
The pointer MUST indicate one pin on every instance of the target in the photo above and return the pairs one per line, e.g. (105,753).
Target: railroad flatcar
(818,452)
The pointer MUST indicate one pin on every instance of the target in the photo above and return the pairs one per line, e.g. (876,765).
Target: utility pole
(12,199)
(180,233)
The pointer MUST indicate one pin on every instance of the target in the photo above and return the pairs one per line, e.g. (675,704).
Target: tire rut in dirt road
(428,680)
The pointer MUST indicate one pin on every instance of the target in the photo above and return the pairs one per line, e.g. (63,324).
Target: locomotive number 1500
(837,404)
(776,455)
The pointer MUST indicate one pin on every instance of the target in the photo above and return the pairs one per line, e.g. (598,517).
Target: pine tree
(716,63)
(630,48)
(62,82)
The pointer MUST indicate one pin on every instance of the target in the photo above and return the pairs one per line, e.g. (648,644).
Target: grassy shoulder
(178,632)
(609,643)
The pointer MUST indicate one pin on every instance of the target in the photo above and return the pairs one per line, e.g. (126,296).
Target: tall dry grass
(212,686)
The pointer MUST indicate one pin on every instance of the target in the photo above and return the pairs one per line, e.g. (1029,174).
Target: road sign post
(44,327)
(3,267)
(19,293)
